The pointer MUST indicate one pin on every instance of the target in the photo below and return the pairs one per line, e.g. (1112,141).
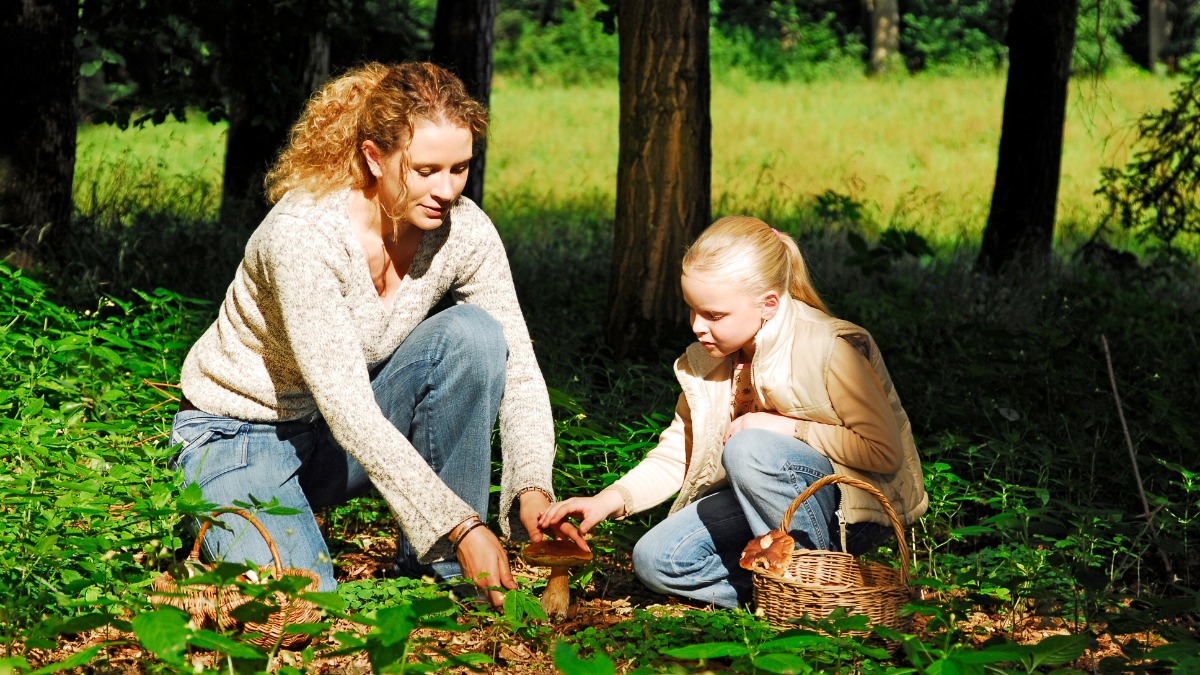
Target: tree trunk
(1158,32)
(1041,35)
(262,110)
(463,34)
(37,145)
(883,33)
(664,169)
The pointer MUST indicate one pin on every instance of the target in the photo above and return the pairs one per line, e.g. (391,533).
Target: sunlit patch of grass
(921,149)
(175,167)
(918,151)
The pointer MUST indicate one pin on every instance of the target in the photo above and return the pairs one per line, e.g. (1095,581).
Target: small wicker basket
(815,583)
(210,606)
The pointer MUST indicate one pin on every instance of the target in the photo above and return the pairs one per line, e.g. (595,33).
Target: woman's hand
(485,563)
(534,503)
(589,510)
(762,420)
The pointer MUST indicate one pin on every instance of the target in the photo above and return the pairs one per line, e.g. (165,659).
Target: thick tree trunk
(1041,35)
(664,169)
(463,34)
(37,145)
(883,33)
(261,111)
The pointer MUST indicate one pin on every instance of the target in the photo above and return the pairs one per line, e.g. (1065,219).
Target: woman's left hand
(533,504)
(762,420)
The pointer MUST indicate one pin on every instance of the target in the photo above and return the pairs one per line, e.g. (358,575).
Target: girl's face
(724,318)
(438,156)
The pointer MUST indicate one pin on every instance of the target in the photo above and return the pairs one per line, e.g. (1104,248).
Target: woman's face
(439,155)
(724,318)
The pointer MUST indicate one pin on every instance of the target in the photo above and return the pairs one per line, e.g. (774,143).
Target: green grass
(175,167)
(918,152)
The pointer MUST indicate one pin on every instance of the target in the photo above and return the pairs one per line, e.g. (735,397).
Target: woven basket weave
(210,606)
(815,583)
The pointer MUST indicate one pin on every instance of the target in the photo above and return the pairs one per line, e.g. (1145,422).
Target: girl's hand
(533,503)
(485,563)
(589,510)
(762,420)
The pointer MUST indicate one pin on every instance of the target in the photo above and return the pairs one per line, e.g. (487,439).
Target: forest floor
(610,598)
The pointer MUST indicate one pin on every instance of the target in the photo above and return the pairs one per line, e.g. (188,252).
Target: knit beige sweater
(301,325)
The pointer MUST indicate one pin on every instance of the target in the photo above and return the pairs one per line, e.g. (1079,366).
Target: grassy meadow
(919,152)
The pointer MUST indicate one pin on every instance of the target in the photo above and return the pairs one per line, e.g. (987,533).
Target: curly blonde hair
(376,102)
(753,256)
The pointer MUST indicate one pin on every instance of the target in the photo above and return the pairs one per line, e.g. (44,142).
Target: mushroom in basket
(768,553)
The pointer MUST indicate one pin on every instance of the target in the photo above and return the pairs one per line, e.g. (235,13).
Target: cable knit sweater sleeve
(328,352)
(526,423)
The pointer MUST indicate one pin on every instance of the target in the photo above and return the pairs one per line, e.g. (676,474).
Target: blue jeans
(694,553)
(441,388)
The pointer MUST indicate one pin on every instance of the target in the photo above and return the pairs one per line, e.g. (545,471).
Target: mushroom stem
(557,596)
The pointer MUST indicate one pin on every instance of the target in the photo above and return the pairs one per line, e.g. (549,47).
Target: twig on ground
(1137,475)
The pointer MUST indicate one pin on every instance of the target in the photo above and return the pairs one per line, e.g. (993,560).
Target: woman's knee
(476,334)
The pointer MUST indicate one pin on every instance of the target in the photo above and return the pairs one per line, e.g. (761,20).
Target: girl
(324,375)
(776,394)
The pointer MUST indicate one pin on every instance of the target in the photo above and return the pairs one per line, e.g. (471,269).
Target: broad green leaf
(1057,650)
(972,530)
(952,665)
(13,665)
(568,661)
(431,606)
(784,664)
(394,625)
(1176,652)
(792,642)
(520,605)
(164,632)
(330,602)
(83,623)
(710,650)
(206,639)
(310,629)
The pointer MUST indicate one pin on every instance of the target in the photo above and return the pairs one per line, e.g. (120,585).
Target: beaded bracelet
(472,526)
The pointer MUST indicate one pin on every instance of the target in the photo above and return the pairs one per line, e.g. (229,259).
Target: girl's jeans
(441,388)
(694,553)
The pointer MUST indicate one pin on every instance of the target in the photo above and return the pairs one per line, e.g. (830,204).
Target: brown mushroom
(769,553)
(560,556)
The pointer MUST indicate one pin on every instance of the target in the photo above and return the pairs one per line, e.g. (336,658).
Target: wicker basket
(210,606)
(817,582)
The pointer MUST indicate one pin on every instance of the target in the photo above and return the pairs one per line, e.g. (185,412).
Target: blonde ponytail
(753,256)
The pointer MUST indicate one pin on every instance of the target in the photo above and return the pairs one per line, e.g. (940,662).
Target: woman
(323,374)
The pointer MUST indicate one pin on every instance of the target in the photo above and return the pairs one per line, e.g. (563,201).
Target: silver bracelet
(472,526)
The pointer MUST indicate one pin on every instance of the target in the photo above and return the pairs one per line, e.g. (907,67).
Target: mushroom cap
(555,553)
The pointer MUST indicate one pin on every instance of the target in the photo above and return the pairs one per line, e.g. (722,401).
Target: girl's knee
(745,452)
(645,555)
(651,565)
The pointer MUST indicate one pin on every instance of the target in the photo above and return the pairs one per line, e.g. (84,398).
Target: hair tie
(777,235)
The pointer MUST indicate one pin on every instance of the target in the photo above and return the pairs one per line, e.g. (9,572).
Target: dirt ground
(609,599)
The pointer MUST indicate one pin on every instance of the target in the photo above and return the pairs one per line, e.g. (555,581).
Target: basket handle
(834,478)
(194,556)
